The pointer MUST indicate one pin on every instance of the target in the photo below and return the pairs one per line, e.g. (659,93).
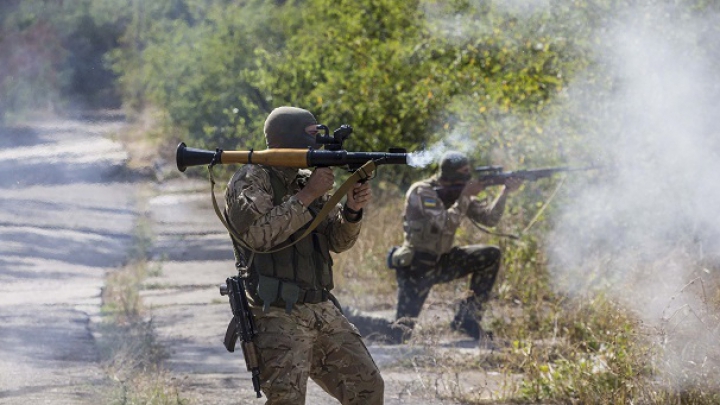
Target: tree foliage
(404,74)
(52,56)
(486,74)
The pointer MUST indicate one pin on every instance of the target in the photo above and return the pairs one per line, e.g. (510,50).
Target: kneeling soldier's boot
(400,331)
(467,321)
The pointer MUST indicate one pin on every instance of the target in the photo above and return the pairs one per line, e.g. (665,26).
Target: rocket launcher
(333,154)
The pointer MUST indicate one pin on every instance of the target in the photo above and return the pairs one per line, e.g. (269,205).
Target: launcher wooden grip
(268,157)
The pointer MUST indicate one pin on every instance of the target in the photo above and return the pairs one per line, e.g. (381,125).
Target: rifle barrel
(493,175)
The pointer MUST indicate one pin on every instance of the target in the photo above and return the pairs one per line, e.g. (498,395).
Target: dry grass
(361,275)
(131,356)
(144,140)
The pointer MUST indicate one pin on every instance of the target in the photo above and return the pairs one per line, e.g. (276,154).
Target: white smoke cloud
(650,230)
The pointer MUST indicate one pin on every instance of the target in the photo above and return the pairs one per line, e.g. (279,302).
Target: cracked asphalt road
(66,219)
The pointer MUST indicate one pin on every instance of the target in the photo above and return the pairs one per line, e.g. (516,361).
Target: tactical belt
(306,297)
(313,296)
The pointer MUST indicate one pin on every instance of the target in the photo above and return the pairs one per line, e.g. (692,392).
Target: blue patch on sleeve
(429,202)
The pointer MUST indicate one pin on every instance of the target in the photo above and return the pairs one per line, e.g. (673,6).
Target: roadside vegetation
(131,356)
(499,81)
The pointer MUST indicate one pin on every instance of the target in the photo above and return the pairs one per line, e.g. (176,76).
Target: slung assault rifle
(242,326)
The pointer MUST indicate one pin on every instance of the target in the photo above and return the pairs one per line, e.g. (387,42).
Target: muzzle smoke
(457,141)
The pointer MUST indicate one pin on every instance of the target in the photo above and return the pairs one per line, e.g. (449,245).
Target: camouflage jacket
(430,227)
(251,212)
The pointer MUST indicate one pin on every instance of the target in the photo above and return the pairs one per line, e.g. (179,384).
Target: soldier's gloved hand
(359,196)
(473,187)
(320,182)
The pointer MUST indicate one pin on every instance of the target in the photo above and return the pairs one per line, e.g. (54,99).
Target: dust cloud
(648,232)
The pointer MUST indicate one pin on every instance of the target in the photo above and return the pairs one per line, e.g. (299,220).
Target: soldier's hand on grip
(359,196)
(320,182)
(473,187)
(513,183)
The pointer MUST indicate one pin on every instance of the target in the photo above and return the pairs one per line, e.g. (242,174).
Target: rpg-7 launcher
(332,155)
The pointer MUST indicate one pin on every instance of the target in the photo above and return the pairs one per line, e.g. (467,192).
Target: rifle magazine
(231,336)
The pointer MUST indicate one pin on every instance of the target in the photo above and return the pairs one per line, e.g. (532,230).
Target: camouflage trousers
(316,341)
(481,262)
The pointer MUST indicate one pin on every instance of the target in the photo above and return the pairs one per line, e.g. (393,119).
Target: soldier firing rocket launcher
(362,164)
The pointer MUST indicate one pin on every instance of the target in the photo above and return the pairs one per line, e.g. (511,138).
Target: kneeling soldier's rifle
(494,175)
(242,325)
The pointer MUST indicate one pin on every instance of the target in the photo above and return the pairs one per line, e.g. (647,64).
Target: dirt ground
(71,195)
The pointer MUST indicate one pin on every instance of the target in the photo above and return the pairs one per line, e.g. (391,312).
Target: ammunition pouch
(400,256)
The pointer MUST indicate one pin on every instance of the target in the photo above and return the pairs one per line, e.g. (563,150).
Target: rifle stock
(186,157)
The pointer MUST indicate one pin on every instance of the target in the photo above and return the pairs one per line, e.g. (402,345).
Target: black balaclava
(285,128)
(449,165)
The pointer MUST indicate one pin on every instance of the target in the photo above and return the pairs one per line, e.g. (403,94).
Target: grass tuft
(130,353)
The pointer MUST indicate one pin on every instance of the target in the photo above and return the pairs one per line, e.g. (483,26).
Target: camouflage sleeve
(487,213)
(250,211)
(458,210)
(341,233)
